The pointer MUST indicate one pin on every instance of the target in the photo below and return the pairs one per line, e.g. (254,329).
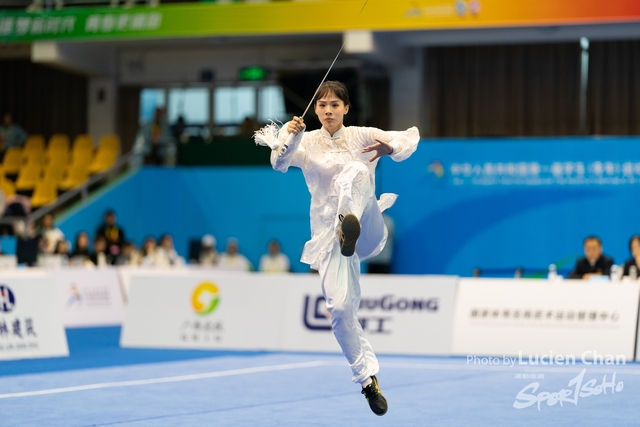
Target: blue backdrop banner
(493,204)
(502,204)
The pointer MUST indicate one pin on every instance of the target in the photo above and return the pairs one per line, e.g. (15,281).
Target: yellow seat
(12,161)
(59,141)
(58,150)
(45,192)
(28,176)
(33,157)
(58,157)
(53,173)
(81,157)
(33,150)
(6,186)
(106,155)
(82,143)
(34,142)
(76,175)
(82,151)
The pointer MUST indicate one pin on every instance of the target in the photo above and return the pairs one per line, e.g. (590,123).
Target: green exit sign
(253,74)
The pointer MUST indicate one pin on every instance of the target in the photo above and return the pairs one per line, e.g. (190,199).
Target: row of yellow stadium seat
(45,188)
(58,141)
(56,169)
(58,153)
(64,178)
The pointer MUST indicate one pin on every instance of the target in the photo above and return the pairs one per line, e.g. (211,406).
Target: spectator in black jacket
(594,262)
(113,234)
(634,261)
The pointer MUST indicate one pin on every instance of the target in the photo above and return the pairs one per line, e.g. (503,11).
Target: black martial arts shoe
(377,402)
(349,233)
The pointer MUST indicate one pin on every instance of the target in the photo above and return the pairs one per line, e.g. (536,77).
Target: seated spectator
(208,252)
(634,261)
(233,259)
(129,255)
(149,253)
(62,249)
(50,234)
(594,262)
(27,243)
(167,255)
(11,134)
(100,257)
(112,232)
(274,261)
(80,254)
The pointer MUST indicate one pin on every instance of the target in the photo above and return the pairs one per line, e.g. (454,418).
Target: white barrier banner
(89,297)
(30,320)
(553,322)
(399,314)
(203,309)
(127,273)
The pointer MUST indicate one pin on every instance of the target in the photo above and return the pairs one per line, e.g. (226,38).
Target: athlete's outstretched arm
(398,145)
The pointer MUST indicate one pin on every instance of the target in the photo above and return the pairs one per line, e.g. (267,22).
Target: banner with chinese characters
(528,319)
(496,205)
(319,16)
(89,297)
(30,318)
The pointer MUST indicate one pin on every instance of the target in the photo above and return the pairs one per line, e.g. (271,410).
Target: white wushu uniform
(341,180)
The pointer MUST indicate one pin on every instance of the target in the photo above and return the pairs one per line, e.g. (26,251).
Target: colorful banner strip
(321,16)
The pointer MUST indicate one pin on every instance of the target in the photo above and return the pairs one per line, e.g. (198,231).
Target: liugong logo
(374,315)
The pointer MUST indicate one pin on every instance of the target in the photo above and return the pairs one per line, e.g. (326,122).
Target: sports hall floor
(101,384)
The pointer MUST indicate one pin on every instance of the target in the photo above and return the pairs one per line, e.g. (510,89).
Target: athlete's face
(331,111)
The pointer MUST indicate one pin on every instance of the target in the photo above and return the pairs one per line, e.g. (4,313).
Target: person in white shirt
(208,253)
(51,234)
(346,219)
(166,255)
(274,261)
(149,253)
(233,259)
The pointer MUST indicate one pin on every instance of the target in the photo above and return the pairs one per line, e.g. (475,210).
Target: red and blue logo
(7,300)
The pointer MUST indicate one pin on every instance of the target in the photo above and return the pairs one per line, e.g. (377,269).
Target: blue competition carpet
(102,385)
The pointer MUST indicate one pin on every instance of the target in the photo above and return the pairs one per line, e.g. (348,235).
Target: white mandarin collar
(336,135)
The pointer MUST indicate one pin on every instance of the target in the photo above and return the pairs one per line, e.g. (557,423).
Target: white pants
(340,275)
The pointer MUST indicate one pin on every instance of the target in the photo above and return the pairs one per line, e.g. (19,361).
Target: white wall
(184,65)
